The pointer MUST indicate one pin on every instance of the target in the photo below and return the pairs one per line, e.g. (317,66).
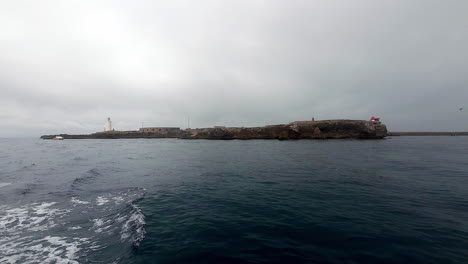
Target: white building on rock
(108,126)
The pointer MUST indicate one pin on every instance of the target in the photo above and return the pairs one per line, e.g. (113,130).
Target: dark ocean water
(399,200)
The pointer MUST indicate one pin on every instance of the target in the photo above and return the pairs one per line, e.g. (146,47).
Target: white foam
(43,208)
(40,233)
(76,201)
(118,199)
(101,225)
(101,200)
(120,219)
(2,184)
(25,235)
(136,223)
(33,217)
(98,222)
(50,249)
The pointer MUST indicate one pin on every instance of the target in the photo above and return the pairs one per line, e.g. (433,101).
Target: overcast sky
(65,66)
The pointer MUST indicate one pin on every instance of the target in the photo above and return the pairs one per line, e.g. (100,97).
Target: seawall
(397,134)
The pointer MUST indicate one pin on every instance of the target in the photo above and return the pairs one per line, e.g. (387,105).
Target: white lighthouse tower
(108,126)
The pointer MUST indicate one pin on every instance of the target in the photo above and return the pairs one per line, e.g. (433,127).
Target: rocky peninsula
(323,129)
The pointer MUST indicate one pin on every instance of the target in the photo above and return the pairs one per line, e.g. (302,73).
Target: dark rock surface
(324,129)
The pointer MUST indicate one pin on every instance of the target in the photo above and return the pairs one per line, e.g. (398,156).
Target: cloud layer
(65,66)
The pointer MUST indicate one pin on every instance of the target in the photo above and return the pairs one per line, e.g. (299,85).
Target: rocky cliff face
(360,129)
(326,129)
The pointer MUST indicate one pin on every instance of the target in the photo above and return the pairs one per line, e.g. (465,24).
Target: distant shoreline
(323,129)
(398,134)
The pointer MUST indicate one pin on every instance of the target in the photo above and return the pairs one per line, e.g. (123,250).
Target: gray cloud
(67,65)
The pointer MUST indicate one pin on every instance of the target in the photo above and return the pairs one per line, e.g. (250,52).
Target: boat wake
(83,228)
(87,178)
(133,229)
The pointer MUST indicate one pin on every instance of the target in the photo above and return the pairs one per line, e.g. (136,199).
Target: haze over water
(399,200)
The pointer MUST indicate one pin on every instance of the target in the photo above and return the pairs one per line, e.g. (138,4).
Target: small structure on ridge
(108,126)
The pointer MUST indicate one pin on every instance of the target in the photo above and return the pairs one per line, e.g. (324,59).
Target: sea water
(398,200)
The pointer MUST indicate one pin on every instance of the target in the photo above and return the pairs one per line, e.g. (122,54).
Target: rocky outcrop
(359,129)
(325,129)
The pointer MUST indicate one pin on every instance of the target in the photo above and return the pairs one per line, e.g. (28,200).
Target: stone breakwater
(397,134)
(324,129)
